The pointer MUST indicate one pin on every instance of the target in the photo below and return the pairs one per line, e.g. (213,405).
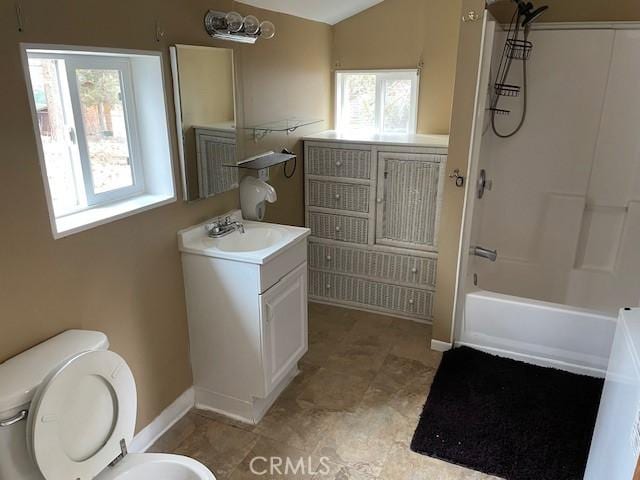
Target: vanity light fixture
(233,26)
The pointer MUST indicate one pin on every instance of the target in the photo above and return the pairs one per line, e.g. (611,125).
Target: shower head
(530,15)
(526,11)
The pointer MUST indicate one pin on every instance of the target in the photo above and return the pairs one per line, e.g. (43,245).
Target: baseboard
(246,411)
(439,346)
(163,422)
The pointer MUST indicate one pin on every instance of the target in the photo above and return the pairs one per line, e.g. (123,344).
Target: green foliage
(98,87)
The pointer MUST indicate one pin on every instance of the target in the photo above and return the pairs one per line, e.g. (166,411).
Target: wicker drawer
(339,196)
(342,288)
(339,227)
(389,267)
(338,162)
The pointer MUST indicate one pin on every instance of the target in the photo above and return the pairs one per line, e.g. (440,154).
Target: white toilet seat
(80,415)
(157,466)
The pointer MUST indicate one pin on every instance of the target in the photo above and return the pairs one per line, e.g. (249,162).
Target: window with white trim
(377,101)
(99,161)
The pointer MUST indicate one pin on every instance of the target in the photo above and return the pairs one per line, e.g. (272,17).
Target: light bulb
(267,29)
(251,25)
(234,22)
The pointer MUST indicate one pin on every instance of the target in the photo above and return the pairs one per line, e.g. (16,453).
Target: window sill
(93,217)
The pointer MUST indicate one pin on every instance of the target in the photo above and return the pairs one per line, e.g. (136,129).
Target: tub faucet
(484,253)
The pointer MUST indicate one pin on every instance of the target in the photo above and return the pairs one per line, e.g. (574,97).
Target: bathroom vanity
(247,307)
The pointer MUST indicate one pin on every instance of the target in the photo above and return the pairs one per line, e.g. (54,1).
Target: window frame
(149,75)
(382,76)
(85,185)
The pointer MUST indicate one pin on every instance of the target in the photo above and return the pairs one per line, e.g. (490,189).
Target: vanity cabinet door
(284,325)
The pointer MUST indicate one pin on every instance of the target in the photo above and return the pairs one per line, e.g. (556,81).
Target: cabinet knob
(337,229)
(411,301)
(328,286)
(379,200)
(328,258)
(414,270)
(338,163)
(337,196)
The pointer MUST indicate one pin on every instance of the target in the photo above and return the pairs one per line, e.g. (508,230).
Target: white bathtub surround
(552,335)
(247,310)
(564,211)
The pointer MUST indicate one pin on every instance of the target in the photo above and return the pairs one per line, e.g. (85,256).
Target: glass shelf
(288,125)
(266,160)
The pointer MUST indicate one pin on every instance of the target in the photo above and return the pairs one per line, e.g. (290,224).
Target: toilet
(68,412)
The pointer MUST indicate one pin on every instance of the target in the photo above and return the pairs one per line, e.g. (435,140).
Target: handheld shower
(516,48)
(530,14)
(526,11)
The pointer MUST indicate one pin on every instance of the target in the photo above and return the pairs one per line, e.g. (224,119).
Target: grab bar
(484,253)
(15,419)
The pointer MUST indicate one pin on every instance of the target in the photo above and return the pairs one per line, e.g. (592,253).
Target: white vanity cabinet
(373,206)
(247,313)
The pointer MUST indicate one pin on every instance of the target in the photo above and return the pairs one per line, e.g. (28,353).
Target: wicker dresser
(373,207)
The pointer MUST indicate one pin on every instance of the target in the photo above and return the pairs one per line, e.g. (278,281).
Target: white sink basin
(259,242)
(254,238)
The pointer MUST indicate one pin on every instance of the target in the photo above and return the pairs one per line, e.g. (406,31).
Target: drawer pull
(337,196)
(328,258)
(411,301)
(337,229)
(328,286)
(338,163)
(414,270)
(379,200)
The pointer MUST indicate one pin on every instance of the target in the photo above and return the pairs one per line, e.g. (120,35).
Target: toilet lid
(80,414)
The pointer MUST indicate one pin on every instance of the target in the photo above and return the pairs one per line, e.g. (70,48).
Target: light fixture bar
(234,27)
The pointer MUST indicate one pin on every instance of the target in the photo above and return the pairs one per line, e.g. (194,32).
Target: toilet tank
(20,377)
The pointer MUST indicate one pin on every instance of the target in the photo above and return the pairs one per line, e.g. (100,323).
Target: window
(93,143)
(377,101)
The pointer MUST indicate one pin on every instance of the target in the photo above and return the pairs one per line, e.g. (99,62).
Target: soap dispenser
(253,195)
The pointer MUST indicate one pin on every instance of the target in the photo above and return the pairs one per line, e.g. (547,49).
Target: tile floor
(354,406)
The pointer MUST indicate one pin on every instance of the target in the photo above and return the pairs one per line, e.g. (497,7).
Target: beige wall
(461,122)
(125,278)
(287,76)
(577,10)
(400,34)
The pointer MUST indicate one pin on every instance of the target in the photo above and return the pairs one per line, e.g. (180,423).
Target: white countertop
(436,141)
(194,240)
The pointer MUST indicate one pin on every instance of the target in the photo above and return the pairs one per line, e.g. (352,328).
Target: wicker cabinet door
(409,197)
(216,163)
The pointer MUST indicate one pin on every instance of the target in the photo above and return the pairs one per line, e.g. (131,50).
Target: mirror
(204,90)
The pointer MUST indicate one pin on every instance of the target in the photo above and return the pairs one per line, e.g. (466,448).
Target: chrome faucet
(484,253)
(221,228)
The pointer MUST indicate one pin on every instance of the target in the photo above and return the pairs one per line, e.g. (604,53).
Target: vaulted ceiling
(326,11)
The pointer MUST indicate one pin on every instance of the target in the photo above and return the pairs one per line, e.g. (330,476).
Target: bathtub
(547,334)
